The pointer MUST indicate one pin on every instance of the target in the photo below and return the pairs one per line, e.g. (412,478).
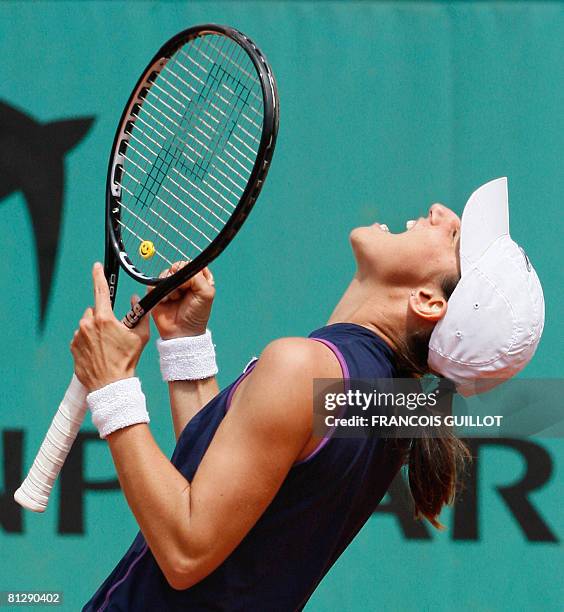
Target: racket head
(191,153)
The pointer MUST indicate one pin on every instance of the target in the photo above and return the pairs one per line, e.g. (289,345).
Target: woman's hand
(186,311)
(104,349)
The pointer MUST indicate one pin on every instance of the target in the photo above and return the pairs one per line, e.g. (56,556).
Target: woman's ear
(428,304)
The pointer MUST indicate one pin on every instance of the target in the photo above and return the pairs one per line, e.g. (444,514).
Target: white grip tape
(34,491)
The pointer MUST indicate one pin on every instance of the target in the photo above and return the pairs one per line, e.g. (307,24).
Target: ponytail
(435,464)
(435,461)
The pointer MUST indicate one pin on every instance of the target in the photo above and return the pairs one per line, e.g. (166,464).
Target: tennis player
(253,509)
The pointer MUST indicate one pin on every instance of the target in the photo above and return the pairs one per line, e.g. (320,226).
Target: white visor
(495,316)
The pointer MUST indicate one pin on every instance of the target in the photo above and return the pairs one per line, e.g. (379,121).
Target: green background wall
(385,108)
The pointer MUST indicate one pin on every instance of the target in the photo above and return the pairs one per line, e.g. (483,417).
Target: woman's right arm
(187,398)
(184,313)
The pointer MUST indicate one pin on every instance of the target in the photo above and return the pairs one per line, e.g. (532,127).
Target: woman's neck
(370,306)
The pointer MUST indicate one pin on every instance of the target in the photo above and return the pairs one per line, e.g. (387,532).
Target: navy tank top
(321,506)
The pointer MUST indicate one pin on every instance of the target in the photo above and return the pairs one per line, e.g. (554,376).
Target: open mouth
(384,228)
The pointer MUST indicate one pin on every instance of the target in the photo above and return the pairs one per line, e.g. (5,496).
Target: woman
(254,507)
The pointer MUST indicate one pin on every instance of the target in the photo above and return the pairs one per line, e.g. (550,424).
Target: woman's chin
(368,233)
(369,245)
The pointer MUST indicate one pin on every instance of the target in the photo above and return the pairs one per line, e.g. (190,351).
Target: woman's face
(425,253)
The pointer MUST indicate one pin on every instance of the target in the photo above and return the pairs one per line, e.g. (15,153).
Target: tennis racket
(189,159)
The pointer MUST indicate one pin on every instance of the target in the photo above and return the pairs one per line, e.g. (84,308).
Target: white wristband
(189,358)
(117,405)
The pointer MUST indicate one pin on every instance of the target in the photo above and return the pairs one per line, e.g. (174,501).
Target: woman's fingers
(169,272)
(208,276)
(197,283)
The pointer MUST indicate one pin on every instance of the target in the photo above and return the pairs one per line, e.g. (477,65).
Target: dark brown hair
(435,463)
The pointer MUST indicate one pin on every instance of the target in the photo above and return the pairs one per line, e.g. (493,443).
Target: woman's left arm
(192,527)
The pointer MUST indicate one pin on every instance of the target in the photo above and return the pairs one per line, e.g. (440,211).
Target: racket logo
(133,315)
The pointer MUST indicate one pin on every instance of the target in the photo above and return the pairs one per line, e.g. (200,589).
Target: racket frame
(116,255)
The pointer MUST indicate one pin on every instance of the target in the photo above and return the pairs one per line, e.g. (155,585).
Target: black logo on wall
(32,161)
(517,491)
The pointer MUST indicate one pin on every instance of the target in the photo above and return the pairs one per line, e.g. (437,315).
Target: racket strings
(224,116)
(214,178)
(175,182)
(169,191)
(202,193)
(190,152)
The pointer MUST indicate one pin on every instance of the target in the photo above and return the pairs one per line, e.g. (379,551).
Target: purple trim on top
(250,367)
(133,563)
(340,358)
(346,379)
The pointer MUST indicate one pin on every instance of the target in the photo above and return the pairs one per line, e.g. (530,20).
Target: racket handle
(34,491)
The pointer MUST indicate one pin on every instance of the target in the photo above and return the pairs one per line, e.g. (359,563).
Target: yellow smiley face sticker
(146,249)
